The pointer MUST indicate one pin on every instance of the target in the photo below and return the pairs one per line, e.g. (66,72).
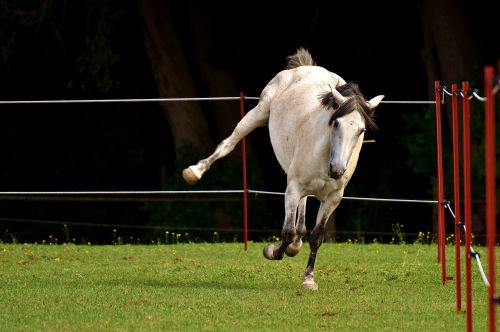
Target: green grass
(219,287)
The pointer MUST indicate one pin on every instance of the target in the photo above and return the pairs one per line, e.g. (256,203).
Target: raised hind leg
(294,248)
(316,239)
(257,117)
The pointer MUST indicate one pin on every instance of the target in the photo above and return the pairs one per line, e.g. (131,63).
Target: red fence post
(245,189)
(440,206)
(467,203)
(456,189)
(489,127)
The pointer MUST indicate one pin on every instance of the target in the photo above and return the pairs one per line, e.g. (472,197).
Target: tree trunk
(217,81)
(182,73)
(452,39)
(452,53)
(173,78)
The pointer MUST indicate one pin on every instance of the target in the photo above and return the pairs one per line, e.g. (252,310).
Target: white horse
(316,124)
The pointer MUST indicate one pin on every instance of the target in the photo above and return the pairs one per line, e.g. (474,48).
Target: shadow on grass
(188,284)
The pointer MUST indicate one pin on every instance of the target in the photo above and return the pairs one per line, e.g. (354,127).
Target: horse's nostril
(335,173)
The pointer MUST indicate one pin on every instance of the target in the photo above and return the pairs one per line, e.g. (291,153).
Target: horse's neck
(351,166)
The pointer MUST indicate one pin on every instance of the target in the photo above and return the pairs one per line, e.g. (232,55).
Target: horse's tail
(301,58)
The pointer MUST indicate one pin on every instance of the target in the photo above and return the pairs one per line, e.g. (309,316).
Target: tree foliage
(148,48)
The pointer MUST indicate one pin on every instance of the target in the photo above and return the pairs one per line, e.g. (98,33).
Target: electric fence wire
(474,254)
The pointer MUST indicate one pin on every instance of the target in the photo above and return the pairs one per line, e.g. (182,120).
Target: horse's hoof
(293,249)
(310,284)
(269,252)
(190,175)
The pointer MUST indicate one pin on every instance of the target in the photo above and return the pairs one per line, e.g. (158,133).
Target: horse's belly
(283,143)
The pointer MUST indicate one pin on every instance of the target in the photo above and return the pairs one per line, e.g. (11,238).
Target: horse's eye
(362,130)
(336,123)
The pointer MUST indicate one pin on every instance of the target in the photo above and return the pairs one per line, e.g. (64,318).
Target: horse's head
(352,115)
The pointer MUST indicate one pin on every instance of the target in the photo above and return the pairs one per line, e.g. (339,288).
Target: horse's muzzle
(335,172)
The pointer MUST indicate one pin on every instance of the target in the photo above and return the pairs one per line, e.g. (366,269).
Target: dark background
(124,49)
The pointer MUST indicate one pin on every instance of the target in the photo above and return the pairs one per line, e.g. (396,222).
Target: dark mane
(355,100)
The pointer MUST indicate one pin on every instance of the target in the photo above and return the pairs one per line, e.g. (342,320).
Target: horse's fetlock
(288,234)
(301,232)
(205,164)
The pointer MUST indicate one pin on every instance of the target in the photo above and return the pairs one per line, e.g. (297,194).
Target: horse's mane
(301,58)
(355,100)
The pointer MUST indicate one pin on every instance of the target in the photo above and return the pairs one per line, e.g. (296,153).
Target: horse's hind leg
(294,247)
(257,117)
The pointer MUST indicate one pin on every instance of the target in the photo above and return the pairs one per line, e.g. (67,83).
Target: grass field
(219,287)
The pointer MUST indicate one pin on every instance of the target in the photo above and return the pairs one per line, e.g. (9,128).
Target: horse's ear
(338,99)
(331,99)
(375,101)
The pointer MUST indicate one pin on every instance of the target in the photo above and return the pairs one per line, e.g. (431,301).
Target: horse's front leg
(316,239)
(294,248)
(288,233)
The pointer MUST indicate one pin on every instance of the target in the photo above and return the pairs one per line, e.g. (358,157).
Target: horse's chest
(320,186)
(293,139)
